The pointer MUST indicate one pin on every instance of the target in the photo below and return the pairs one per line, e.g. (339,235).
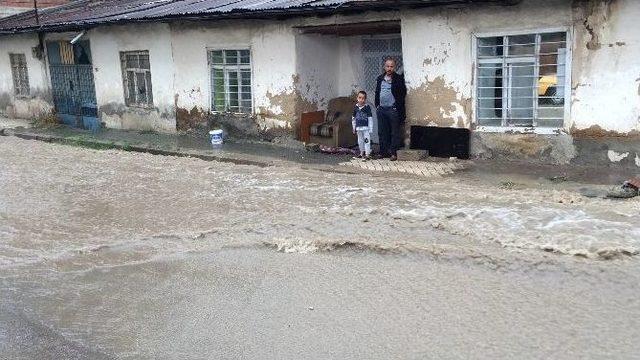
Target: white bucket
(216,137)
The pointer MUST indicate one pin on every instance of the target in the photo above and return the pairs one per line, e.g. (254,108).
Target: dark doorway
(441,142)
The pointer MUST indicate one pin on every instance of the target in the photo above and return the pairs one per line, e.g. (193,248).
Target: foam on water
(51,206)
(561,230)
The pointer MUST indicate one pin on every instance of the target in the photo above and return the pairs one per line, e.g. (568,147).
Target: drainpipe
(41,52)
(35,8)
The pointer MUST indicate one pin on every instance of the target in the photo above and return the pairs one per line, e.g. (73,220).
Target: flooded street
(118,255)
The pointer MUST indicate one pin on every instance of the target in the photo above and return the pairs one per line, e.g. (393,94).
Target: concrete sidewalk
(511,174)
(253,153)
(239,152)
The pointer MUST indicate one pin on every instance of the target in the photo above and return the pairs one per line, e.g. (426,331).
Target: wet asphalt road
(127,256)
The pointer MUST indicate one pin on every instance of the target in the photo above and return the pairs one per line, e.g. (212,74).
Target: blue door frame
(72,84)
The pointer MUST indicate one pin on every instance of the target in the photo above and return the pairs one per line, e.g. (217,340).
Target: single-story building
(552,80)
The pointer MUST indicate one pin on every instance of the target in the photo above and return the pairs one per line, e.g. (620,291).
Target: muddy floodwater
(118,255)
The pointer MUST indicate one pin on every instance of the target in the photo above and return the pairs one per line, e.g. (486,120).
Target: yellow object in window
(545,83)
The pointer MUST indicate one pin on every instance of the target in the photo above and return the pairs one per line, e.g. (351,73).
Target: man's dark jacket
(399,91)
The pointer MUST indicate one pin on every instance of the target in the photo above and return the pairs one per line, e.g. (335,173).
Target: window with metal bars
(136,76)
(20,74)
(521,80)
(230,81)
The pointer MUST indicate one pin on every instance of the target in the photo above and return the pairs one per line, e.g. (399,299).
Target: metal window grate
(230,80)
(20,74)
(136,75)
(521,80)
(374,52)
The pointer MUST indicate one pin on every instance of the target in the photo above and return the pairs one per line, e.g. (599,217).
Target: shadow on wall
(5,102)
(32,107)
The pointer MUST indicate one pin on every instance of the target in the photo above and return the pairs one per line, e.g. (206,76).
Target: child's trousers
(364,141)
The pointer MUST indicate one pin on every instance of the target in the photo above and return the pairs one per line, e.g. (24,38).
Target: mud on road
(124,255)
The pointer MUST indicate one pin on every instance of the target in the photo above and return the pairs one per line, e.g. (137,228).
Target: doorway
(375,49)
(72,83)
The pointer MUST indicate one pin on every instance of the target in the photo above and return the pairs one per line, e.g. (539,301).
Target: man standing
(390,95)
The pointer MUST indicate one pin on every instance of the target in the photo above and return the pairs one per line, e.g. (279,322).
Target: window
(521,80)
(230,80)
(19,73)
(136,75)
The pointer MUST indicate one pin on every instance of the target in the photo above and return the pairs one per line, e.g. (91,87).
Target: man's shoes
(393,158)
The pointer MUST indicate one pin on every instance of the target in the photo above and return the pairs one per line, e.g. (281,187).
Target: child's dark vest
(362,115)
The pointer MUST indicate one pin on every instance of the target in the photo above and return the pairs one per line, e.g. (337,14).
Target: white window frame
(567,84)
(208,50)
(125,81)
(15,70)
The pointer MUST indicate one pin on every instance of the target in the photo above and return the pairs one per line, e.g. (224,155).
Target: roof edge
(237,14)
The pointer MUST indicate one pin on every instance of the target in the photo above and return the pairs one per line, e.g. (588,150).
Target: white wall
(285,82)
(288,75)
(606,80)
(351,77)
(106,45)
(318,67)
(330,66)
(438,56)
(39,101)
(273,57)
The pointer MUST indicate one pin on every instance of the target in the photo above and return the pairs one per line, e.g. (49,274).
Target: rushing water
(120,255)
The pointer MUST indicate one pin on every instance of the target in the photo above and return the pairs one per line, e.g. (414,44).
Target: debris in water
(557,179)
(508,185)
(629,189)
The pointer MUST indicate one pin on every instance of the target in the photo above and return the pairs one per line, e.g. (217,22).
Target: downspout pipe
(40,33)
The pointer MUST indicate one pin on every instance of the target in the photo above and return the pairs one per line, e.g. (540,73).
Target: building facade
(550,80)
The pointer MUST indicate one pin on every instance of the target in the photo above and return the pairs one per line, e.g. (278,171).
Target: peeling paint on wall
(32,107)
(557,149)
(615,156)
(193,119)
(604,67)
(120,116)
(438,54)
(285,108)
(596,14)
(29,108)
(595,131)
(436,102)
(240,126)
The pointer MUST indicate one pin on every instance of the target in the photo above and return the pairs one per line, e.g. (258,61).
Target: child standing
(362,123)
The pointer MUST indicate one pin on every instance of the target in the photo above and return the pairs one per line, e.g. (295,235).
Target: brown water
(121,255)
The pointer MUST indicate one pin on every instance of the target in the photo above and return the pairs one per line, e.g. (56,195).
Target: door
(72,84)
(374,50)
